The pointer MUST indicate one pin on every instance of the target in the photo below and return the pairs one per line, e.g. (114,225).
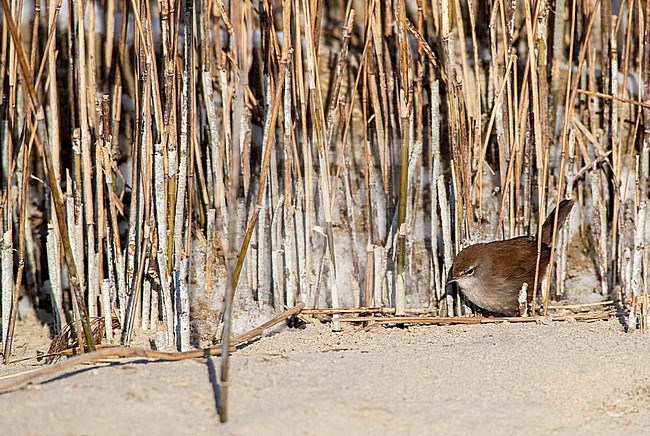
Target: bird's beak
(450,278)
(449,290)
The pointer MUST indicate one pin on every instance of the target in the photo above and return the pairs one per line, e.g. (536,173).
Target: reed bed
(169,163)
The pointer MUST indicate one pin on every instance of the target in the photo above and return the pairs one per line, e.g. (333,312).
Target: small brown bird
(491,275)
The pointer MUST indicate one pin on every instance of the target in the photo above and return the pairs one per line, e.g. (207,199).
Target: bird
(491,275)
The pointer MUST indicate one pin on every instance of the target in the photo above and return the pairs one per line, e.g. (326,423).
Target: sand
(563,377)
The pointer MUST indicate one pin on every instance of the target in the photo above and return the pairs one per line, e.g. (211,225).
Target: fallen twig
(127,352)
(580,306)
(422,311)
(376,310)
(591,316)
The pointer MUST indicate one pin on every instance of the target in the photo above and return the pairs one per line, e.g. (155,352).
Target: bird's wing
(521,255)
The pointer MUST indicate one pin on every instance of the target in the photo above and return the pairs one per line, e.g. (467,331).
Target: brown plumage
(491,275)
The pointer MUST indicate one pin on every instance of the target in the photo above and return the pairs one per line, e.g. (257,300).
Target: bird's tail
(563,211)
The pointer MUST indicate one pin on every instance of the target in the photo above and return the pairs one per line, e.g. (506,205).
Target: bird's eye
(470,271)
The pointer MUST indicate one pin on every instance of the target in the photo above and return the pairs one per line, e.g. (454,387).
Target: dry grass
(335,153)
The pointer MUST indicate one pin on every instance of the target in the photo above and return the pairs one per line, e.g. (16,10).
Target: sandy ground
(565,378)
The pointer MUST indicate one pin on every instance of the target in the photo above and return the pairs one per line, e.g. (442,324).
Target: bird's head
(469,268)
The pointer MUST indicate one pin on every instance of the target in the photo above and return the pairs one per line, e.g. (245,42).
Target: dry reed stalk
(316,108)
(276,255)
(644,176)
(53,235)
(615,141)
(378,95)
(262,233)
(36,109)
(115,261)
(559,59)
(6,220)
(73,234)
(637,285)
(497,105)
(506,211)
(405,105)
(441,190)
(371,181)
(606,66)
(88,277)
(336,105)
(288,211)
(10,325)
(134,253)
(104,294)
(547,292)
(135,297)
(436,276)
(182,219)
(234,269)
(542,183)
(107,304)
(216,187)
(165,163)
(563,246)
(572,86)
(161,214)
(179,171)
(600,228)
(493,116)
(54,267)
(304,189)
(541,148)
(162,203)
(6,260)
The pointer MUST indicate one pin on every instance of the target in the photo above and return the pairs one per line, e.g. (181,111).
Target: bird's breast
(492,295)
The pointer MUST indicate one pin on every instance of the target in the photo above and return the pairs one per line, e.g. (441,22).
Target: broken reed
(336,154)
